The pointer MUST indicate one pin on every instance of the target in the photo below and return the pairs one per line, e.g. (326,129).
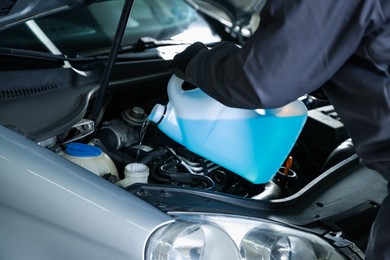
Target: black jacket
(301,45)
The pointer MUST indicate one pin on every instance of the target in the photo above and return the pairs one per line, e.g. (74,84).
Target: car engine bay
(123,135)
(323,162)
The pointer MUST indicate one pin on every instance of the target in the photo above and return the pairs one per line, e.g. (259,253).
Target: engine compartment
(125,141)
(120,134)
(180,180)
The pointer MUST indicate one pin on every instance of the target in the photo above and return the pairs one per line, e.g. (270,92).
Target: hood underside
(237,10)
(13,12)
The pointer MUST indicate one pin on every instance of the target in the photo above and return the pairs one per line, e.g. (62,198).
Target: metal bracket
(84,127)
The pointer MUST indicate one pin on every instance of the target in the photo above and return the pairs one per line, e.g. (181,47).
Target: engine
(130,139)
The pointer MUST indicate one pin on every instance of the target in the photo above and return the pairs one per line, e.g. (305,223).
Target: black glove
(179,63)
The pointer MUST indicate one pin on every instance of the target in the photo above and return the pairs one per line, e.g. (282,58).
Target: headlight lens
(201,236)
(191,241)
(276,246)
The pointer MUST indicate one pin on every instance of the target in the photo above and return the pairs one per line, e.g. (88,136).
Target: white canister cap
(134,173)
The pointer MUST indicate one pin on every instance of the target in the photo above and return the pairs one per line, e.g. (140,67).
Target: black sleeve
(298,47)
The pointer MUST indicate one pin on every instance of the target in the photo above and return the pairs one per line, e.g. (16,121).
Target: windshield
(93,27)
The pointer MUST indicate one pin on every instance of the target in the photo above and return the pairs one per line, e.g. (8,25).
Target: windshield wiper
(149,42)
(22,59)
(142,44)
(32,54)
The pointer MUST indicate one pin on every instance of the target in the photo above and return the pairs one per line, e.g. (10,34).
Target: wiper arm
(97,55)
(142,44)
(16,59)
(149,42)
(38,55)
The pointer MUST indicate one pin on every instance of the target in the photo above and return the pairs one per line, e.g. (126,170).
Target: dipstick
(288,165)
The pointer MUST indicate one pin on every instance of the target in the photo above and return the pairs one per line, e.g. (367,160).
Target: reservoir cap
(82,150)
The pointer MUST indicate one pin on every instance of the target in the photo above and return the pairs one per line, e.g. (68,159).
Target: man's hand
(179,63)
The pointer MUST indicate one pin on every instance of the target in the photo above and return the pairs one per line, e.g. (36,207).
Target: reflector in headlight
(275,246)
(185,240)
(270,242)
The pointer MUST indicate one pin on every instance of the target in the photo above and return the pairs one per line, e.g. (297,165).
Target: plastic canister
(91,158)
(250,143)
(134,173)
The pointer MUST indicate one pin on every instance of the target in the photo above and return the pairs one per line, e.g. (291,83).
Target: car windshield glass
(93,27)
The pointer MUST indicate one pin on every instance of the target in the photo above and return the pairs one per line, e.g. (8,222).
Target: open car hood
(233,13)
(237,9)
(13,12)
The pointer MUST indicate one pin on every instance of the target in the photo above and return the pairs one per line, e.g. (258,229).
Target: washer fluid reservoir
(91,158)
(250,143)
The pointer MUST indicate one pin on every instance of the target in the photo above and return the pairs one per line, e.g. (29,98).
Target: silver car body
(52,208)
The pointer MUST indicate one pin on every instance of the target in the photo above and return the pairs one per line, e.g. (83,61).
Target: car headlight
(191,240)
(200,236)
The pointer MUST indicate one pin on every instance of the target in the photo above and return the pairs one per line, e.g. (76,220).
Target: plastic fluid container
(91,158)
(134,173)
(250,143)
